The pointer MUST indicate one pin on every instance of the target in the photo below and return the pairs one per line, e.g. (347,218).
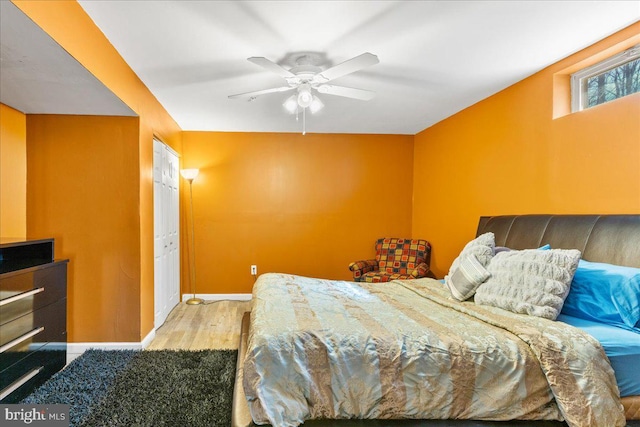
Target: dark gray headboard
(614,239)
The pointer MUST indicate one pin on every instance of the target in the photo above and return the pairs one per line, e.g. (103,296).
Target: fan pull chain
(304,121)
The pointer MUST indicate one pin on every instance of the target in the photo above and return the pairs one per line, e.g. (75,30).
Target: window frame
(579,90)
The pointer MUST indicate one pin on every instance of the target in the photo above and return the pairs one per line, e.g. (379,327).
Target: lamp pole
(190,175)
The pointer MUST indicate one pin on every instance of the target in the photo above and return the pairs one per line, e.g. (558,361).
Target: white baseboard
(75,349)
(147,340)
(219,297)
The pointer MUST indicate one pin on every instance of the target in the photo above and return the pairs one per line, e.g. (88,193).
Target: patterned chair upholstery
(395,259)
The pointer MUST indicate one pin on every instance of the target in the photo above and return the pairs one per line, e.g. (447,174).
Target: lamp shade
(304,96)
(291,104)
(189,174)
(316,105)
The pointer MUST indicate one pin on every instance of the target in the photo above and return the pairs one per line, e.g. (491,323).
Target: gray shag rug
(144,388)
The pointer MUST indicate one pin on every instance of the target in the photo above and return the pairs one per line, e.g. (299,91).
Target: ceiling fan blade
(271,66)
(251,95)
(349,66)
(347,92)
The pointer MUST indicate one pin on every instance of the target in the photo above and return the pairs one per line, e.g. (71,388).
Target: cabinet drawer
(24,349)
(53,318)
(28,290)
(31,371)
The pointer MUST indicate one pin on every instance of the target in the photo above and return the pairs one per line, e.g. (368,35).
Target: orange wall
(13,173)
(83,191)
(290,203)
(508,155)
(68,24)
(307,205)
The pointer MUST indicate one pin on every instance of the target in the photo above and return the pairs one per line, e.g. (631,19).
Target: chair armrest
(422,270)
(362,267)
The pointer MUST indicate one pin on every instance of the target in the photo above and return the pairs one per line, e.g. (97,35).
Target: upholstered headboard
(614,239)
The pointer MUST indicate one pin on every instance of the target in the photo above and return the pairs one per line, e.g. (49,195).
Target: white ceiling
(436,57)
(37,76)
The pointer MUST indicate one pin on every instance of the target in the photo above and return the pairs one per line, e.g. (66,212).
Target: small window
(605,81)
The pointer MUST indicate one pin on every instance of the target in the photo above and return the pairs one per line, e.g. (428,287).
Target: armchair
(395,259)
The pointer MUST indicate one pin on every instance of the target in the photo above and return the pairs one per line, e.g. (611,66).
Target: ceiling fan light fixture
(316,105)
(305,98)
(291,104)
(305,76)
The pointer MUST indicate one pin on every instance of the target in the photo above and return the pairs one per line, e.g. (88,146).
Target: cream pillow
(530,282)
(464,281)
(463,284)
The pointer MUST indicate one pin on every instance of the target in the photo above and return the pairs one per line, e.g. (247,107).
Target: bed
(408,350)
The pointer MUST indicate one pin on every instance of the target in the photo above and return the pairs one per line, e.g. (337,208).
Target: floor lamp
(190,175)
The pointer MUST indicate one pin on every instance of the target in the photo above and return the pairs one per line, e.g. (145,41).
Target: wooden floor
(212,325)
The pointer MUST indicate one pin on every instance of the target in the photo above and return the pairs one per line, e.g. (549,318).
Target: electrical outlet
(254,270)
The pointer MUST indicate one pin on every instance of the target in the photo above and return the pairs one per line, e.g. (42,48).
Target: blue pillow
(605,293)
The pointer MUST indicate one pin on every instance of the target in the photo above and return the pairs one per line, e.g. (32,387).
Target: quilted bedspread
(405,349)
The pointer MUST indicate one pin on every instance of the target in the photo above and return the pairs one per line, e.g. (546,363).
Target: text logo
(34,415)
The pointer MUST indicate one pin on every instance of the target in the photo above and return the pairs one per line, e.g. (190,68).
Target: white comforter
(405,349)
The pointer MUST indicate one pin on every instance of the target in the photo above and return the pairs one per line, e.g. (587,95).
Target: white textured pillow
(530,282)
(481,247)
(464,281)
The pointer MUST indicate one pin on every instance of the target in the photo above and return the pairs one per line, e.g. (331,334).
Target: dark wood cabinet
(33,316)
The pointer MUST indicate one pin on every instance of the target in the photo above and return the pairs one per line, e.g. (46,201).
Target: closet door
(166,235)
(173,227)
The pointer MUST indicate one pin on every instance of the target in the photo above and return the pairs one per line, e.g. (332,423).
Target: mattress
(622,347)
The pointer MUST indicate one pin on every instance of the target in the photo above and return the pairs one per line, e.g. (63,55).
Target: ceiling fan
(307,76)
